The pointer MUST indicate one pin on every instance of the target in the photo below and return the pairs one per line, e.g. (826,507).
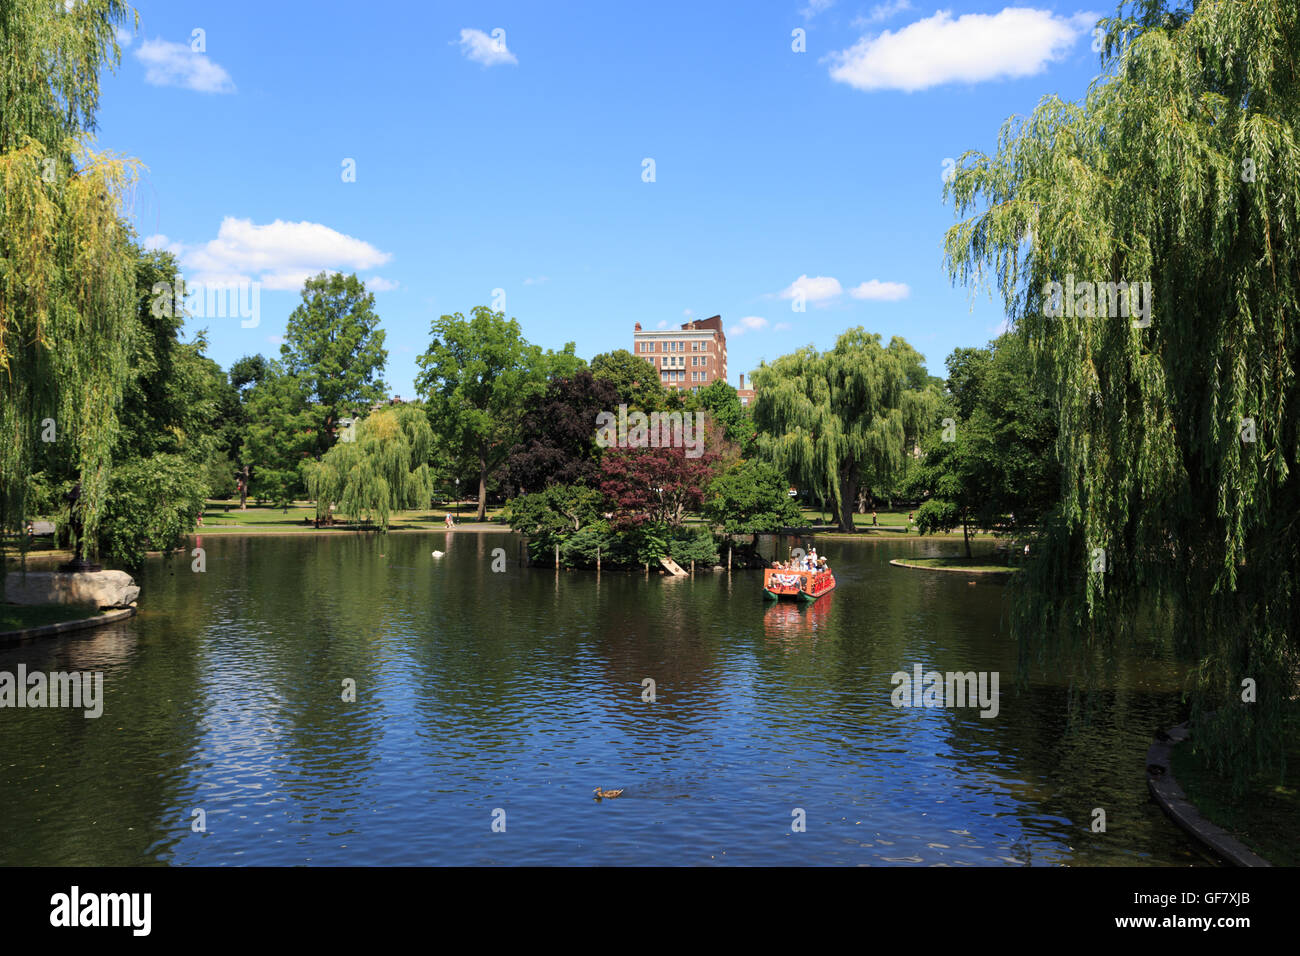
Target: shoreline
(988,572)
(108,616)
(1173,800)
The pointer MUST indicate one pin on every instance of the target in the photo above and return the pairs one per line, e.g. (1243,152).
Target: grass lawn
(299,516)
(887,522)
(16,617)
(1267,816)
(985,562)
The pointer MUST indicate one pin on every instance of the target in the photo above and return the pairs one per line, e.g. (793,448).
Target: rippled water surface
(521,691)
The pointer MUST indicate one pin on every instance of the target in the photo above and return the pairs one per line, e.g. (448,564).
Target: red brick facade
(687,359)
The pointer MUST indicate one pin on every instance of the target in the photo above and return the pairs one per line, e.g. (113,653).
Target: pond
(489,705)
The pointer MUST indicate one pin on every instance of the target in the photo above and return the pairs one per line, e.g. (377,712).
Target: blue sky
(516,162)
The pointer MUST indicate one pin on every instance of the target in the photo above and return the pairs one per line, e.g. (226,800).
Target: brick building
(746,395)
(687,359)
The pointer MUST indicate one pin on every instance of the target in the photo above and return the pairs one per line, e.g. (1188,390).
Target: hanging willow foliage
(835,421)
(383,468)
(66,261)
(1178,439)
(67,300)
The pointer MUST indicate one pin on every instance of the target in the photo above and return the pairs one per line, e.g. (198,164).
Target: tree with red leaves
(654,485)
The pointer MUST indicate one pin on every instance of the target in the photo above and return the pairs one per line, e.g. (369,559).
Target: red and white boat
(779,584)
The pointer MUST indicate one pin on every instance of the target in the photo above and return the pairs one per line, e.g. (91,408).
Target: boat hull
(805,586)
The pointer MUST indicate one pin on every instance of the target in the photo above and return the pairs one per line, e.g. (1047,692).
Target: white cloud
(879,291)
(175,64)
(750,323)
(280,255)
(882,12)
(815,7)
(380,284)
(481,48)
(123,37)
(1016,42)
(817,289)
(538,281)
(159,241)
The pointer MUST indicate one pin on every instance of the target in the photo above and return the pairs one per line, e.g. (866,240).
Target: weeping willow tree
(67,265)
(835,421)
(380,468)
(1178,432)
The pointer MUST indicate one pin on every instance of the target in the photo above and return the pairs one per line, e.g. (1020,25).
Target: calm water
(521,691)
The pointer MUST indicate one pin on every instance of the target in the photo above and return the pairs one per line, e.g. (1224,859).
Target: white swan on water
(437,554)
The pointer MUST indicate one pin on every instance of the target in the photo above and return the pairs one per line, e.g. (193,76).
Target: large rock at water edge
(100,588)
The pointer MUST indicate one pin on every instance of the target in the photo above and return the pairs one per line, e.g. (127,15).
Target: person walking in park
(450,522)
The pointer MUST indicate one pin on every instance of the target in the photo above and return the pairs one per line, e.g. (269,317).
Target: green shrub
(579,550)
(151,505)
(693,544)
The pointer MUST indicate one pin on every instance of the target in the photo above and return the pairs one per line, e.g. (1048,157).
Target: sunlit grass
(977,563)
(16,617)
(224,517)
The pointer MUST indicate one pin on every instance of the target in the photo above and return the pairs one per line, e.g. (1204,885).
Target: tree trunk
(482,486)
(848,498)
(965,530)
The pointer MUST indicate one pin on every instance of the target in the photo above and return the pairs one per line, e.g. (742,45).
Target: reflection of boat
(795,624)
(797,585)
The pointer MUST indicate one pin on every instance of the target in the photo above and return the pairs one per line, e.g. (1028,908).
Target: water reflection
(522,690)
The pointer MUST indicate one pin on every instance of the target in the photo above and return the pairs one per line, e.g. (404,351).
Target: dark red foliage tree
(654,485)
(559,428)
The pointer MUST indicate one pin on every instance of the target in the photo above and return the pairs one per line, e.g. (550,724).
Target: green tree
(282,434)
(334,347)
(992,466)
(635,379)
(751,498)
(476,377)
(1176,403)
(177,400)
(66,261)
(382,468)
(151,505)
(834,422)
(722,403)
(558,516)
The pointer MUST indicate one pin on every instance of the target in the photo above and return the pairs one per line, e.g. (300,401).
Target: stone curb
(66,627)
(896,562)
(1166,791)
